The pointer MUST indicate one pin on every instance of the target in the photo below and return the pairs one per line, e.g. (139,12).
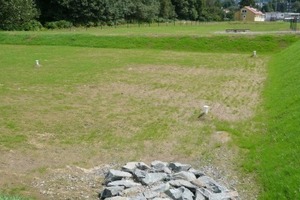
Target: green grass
(9,197)
(275,150)
(238,44)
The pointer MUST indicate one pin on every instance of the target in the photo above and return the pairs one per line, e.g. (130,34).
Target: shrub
(64,24)
(32,25)
(58,24)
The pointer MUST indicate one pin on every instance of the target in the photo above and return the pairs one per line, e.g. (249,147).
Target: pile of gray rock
(161,180)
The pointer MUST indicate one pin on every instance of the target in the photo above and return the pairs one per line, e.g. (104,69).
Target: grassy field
(138,98)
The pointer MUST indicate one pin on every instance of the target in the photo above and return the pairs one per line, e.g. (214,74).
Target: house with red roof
(249,14)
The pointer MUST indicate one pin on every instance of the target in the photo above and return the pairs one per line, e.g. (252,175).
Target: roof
(253,10)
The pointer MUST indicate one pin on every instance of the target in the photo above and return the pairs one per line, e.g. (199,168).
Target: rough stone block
(182,183)
(159,166)
(188,176)
(186,194)
(114,175)
(125,183)
(199,196)
(143,166)
(130,167)
(152,178)
(111,191)
(161,188)
(197,173)
(177,167)
(212,185)
(174,193)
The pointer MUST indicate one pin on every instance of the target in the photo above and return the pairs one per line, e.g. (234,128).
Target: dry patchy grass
(133,112)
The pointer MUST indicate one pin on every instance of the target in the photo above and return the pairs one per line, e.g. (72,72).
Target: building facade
(249,14)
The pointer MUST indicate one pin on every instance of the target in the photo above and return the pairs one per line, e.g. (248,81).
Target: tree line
(51,14)
(33,14)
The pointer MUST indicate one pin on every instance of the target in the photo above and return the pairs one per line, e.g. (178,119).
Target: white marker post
(205,109)
(37,64)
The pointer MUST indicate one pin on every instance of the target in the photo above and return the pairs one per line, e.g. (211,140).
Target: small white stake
(37,64)
(205,109)
(204,112)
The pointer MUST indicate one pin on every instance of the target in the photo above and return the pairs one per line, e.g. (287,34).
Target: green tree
(228,3)
(167,10)
(81,11)
(296,6)
(16,14)
(244,3)
(267,7)
(146,10)
(181,8)
(212,11)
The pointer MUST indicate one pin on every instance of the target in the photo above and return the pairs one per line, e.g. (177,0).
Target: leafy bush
(51,25)
(58,24)
(32,25)
(90,24)
(64,24)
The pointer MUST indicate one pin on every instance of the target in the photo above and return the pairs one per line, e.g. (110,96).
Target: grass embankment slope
(218,44)
(276,157)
